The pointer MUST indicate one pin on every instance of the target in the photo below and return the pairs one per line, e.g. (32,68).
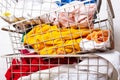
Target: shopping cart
(48,43)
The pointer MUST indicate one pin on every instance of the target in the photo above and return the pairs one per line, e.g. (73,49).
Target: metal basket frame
(16,44)
(108,22)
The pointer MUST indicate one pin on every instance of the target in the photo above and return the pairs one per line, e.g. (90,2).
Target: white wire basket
(49,38)
(61,67)
(74,28)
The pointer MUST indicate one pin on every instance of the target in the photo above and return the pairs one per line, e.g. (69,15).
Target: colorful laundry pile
(99,36)
(46,39)
(98,40)
(75,14)
(25,66)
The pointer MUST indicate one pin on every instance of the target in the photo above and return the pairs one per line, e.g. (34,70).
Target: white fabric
(111,56)
(48,73)
(98,65)
(114,58)
(91,45)
(88,45)
(84,76)
(64,72)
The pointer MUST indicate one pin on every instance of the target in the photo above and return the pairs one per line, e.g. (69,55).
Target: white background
(7,49)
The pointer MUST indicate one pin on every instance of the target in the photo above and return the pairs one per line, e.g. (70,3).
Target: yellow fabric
(68,47)
(46,39)
(7,14)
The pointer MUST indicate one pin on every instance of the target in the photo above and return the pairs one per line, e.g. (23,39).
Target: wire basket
(76,27)
(62,67)
(73,28)
(45,40)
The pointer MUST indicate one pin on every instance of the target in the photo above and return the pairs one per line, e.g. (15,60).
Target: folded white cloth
(89,69)
(80,76)
(114,58)
(97,65)
(48,74)
(64,73)
(91,45)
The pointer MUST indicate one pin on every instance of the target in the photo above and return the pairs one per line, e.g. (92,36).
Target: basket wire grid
(94,67)
(21,26)
(23,19)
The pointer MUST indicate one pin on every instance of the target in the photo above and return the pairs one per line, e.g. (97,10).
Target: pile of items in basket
(64,68)
(64,32)
(58,33)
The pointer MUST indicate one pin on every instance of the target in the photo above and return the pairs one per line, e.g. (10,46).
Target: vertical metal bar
(23,10)
(111,8)
(107,66)
(99,2)
(88,62)
(98,66)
